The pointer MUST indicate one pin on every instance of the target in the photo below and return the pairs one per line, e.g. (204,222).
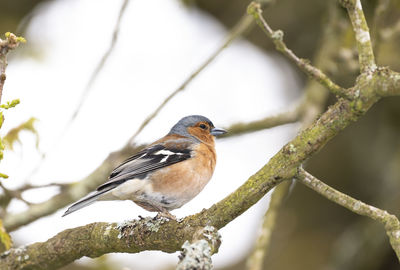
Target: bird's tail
(88,200)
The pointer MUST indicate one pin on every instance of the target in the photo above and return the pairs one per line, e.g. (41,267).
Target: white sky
(161,42)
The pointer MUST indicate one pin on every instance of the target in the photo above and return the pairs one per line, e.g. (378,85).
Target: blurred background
(160,44)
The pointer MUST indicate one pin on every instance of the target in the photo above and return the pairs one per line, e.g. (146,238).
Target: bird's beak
(218,131)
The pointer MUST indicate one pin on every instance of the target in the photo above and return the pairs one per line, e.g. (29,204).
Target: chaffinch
(166,174)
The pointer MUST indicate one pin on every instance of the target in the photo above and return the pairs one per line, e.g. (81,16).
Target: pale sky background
(161,42)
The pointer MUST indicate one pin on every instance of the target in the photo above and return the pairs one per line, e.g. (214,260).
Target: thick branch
(363,39)
(390,222)
(277,37)
(95,239)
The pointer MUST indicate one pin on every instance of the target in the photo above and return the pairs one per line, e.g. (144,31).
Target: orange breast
(184,180)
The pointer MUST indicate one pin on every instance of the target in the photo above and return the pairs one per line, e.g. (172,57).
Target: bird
(167,173)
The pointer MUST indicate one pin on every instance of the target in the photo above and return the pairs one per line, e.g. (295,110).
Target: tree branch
(390,222)
(244,24)
(101,63)
(315,96)
(88,86)
(197,255)
(360,27)
(255,10)
(96,239)
(287,117)
(8,44)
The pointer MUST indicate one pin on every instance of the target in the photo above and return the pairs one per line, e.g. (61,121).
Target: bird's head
(197,126)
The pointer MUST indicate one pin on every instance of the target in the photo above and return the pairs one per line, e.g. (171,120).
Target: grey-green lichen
(195,256)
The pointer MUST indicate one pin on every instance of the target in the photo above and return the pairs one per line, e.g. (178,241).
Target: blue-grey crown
(180,128)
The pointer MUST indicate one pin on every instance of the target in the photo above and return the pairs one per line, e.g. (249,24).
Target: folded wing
(139,166)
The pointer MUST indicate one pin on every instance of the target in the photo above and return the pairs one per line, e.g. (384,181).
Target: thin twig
(9,43)
(363,39)
(255,10)
(9,194)
(243,25)
(389,221)
(87,88)
(14,194)
(101,63)
(31,186)
(283,118)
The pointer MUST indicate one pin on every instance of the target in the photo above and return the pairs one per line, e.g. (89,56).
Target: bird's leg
(164,213)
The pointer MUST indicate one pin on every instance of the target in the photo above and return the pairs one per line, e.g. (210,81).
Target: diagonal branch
(101,63)
(255,10)
(363,39)
(243,25)
(389,221)
(88,87)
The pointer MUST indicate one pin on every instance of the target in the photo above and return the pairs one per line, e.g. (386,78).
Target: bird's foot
(165,214)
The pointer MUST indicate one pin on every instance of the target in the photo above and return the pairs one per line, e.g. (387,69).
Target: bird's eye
(202,126)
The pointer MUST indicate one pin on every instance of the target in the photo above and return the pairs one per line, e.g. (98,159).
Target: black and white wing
(145,162)
(137,167)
